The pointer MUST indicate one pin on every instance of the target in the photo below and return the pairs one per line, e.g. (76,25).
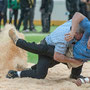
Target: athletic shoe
(13,36)
(12,74)
(33,30)
(25,31)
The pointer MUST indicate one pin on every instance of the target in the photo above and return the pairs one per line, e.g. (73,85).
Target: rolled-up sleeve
(85,24)
(61,48)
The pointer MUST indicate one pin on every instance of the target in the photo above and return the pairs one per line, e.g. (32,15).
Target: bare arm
(62,58)
(77,18)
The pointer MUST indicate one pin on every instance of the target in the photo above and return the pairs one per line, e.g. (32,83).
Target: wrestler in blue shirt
(81,49)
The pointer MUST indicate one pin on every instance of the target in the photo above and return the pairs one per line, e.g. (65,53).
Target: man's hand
(69,36)
(77,18)
(81,81)
(78,82)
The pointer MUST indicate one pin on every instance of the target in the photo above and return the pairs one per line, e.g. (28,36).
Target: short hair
(80,29)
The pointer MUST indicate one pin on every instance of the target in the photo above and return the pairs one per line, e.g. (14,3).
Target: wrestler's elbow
(79,16)
(57,56)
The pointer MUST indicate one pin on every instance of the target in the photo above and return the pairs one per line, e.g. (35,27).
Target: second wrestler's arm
(62,58)
(77,18)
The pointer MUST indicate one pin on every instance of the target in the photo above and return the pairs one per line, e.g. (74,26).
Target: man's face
(78,36)
(88,43)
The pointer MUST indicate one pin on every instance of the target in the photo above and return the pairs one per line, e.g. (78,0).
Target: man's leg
(75,73)
(15,17)
(42,49)
(10,16)
(43,22)
(47,23)
(25,23)
(0,20)
(31,19)
(0,23)
(5,18)
(21,18)
(40,72)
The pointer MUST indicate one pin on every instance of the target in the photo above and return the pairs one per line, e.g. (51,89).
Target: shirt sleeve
(61,48)
(85,24)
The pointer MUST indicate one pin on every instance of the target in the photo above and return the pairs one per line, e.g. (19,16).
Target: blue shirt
(80,50)
(56,38)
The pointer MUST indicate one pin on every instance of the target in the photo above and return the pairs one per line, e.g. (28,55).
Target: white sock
(82,81)
(15,41)
(19,73)
(86,80)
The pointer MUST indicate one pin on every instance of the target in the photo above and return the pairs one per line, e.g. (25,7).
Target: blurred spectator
(46,11)
(30,17)
(72,6)
(87,3)
(5,17)
(14,5)
(88,9)
(5,14)
(24,6)
(3,9)
(83,7)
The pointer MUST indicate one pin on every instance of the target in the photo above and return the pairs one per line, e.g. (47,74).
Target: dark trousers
(41,49)
(0,19)
(83,8)
(15,13)
(71,15)
(22,16)
(30,18)
(5,18)
(45,59)
(44,62)
(45,19)
(88,15)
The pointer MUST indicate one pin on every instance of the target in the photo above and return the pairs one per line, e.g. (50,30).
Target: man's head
(79,33)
